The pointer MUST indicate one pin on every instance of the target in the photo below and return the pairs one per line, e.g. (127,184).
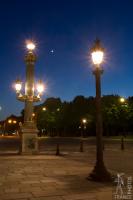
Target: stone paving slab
(46,177)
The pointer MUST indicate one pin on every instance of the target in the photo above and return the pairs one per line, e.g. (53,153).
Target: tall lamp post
(99,172)
(84,122)
(123,114)
(28,129)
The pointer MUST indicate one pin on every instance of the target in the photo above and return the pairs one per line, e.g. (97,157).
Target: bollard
(122,144)
(81,146)
(57,150)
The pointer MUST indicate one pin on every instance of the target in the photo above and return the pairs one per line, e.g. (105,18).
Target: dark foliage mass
(57,118)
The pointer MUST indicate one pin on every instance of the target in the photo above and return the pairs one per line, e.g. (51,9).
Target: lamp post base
(29,140)
(100,174)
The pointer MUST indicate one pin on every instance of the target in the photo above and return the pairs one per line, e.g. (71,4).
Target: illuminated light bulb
(97,57)
(84,121)
(9,121)
(18,85)
(33,114)
(30,46)
(40,87)
(44,109)
(122,100)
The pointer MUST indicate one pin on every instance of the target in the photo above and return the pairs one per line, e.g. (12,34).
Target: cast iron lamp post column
(29,130)
(99,172)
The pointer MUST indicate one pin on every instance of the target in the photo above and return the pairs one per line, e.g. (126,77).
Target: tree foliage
(65,118)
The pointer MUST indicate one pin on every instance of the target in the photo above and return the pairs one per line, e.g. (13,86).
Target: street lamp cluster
(30,59)
(29,130)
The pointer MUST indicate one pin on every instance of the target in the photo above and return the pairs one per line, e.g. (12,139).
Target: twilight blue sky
(69,27)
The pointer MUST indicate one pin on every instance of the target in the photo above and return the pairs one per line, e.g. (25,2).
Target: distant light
(58,109)
(30,46)
(14,121)
(97,57)
(33,114)
(9,121)
(44,109)
(122,100)
(84,121)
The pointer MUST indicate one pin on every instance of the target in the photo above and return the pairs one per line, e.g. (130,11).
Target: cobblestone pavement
(49,177)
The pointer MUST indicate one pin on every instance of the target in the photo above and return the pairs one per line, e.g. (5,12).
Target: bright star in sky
(52,51)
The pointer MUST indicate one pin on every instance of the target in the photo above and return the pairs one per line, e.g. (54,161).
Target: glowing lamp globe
(97,57)
(40,87)
(9,121)
(84,121)
(97,53)
(33,114)
(31,46)
(18,86)
(44,109)
(122,100)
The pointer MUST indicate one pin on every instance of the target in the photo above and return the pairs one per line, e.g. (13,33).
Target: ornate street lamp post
(100,172)
(29,130)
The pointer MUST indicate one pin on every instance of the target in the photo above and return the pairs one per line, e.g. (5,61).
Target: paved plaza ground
(50,177)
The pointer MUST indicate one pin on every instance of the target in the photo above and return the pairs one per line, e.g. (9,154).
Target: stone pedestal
(29,139)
